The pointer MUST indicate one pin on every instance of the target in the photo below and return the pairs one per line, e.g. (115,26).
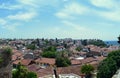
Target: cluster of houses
(44,67)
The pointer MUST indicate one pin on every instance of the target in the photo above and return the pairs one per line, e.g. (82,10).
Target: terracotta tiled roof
(46,60)
(68,70)
(14,57)
(24,62)
(16,62)
(88,60)
(44,72)
(76,62)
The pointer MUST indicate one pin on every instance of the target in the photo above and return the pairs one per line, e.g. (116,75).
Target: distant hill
(112,43)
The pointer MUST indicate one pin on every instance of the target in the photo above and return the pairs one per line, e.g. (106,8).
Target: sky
(77,19)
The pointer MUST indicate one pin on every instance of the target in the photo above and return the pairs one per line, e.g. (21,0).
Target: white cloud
(103,3)
(22,16)
(6,24)
(10,27)
(10,7)
(38,3)
(82,31)
(113,15)
(113,12)
(28,2)
(2,22)
(71,10)
(75,26)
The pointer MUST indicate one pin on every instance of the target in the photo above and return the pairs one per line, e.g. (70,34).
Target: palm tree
(87,70)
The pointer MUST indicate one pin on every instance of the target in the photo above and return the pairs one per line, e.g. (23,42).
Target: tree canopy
(62,62)
(112,62)
(87,69)
(22,72)
(49,52)
(5,56)
(97,43)
(79,48)
(31,46)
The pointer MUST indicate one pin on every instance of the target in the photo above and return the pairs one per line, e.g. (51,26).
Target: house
(45,62)
(60,48)
(24,62)
(93,53)
(28,56)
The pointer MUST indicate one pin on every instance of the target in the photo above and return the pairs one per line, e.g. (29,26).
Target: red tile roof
(46,60)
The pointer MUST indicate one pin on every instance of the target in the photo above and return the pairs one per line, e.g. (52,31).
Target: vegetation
(119,39)
(5,56)
(79,48)
(49,54)
(22,72)
(62,62)
(87,69)
(31,46)
(1,60)
(50,48)
(64,53)
(97,43)
(112,62)
(84,42)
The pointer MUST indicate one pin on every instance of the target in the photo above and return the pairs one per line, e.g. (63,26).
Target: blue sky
(77,19)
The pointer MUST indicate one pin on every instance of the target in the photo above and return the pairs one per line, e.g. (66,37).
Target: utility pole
(55,73)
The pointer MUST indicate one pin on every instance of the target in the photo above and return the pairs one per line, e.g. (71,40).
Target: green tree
(31,75)
(22,72)
(97,43)
(84,42)
(79,48)
(5,56)
(62,62)
(107,68)
(112,62)
(115,55)
(119,39)
(62,54)
(50,48)
(87,69)
(49,54)
(31,46)
(1,60)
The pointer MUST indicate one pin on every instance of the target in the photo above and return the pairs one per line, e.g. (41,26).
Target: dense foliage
(79,48)
(62,62)
(5,56)
(108,67)
(50,48)
(97,43)
(49,52)
(22,72)
(87,69)
(31,46)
